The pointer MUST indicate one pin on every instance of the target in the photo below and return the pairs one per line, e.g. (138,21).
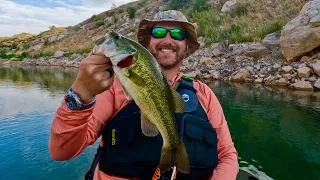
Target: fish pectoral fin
(126,92)
(179,104)
(175,156)
(147,127)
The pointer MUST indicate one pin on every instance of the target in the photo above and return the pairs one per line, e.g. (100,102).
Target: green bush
(240,9)
(131,11)
(200,5)
(178,4)
(95,18)
(76,27)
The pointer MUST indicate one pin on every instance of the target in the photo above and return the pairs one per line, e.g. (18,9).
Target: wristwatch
(74,103)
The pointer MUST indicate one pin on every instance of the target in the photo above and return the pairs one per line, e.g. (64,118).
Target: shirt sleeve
(228,167)
(72,131)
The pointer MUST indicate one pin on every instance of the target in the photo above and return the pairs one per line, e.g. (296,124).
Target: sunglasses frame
(170,32)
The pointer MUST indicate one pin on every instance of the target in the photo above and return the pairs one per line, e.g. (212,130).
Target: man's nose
(168,38)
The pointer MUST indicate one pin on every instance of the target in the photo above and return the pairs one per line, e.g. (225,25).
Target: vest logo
(185,97)
(113,137)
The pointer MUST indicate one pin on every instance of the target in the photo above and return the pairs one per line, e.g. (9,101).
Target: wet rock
(239,75)
(214,74)
(302,85)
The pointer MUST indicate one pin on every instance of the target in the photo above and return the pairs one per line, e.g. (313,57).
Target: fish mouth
(125,62)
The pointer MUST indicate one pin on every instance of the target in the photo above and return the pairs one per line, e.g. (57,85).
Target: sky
(36,16)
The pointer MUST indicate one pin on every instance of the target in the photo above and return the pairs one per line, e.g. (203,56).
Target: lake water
(276,132)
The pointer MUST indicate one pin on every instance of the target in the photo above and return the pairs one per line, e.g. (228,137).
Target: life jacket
(128,153)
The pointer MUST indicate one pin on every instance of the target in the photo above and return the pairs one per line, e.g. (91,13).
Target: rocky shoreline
(247,62)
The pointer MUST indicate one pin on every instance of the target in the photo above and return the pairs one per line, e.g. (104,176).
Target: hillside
(248,21)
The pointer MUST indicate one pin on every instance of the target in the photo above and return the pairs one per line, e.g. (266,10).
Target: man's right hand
(93,77)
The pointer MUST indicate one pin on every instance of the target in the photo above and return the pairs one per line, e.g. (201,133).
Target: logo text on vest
(113,136)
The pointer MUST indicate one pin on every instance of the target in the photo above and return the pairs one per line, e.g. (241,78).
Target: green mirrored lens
(177,34)
(159,32)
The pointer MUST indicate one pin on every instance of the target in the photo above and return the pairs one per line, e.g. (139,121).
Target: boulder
(304,72)
(256,50)
(271,41)
(316,68)
(301,34)
(302,85)
(58,54)
(317,84)
(228,6)
(286,69)
(240,75)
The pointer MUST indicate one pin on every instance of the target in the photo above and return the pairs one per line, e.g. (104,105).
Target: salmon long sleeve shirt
(73,130)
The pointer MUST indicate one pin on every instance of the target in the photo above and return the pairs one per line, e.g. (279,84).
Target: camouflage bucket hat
(145,27)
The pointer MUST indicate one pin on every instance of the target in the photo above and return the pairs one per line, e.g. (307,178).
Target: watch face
(71,102)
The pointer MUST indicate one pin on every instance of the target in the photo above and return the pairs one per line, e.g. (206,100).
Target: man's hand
(93,78)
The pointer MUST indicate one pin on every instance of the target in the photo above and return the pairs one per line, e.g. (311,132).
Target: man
(95,102)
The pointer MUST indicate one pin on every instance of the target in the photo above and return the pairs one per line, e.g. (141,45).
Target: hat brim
(145,26)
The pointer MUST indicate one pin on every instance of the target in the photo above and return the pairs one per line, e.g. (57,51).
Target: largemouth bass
(143,80)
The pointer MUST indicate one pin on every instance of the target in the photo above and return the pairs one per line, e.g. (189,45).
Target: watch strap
(77,104)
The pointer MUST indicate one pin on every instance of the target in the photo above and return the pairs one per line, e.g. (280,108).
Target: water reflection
(276,131)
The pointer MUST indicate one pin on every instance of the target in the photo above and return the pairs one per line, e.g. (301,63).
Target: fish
(143,80)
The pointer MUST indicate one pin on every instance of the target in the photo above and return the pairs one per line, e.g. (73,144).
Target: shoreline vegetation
(241,41)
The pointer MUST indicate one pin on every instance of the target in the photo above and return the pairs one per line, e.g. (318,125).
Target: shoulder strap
(188,93)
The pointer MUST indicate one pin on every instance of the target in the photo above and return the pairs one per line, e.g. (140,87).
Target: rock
(250,69)
(259,80)
(312,79)
(257,66)
(302,85)
(239,75)
(193,74)
(302,65)
(305,59)
(282,82)
(137,21)
(206,61)
(58,54)
(240,58)
(287,76)
(201,41)
(228,6)
(317,84)
(216,49)
(271,81)
(304,72)
(256,50)
(301,34)
(214,74)
(286,69)
(316,68)
(271,41)
(276,66)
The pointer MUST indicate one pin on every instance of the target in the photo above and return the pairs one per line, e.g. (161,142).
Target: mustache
(167,46)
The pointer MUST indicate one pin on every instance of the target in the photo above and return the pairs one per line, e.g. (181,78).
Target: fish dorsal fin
(179,104)
(147,127)
(126,92)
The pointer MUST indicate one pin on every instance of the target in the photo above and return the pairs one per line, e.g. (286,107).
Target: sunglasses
(176,34)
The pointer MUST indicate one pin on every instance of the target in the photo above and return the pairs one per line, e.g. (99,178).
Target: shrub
(131,11)
(95,18)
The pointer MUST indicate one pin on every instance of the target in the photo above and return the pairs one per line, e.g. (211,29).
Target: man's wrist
(74,102)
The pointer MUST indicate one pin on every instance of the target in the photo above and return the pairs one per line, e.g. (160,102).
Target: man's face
(168,52)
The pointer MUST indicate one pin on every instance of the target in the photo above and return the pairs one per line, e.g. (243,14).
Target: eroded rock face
(302,34)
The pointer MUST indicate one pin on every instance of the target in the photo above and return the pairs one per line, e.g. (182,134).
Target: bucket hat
(145,28)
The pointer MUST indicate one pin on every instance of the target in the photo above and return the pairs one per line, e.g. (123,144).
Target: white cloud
(17,18)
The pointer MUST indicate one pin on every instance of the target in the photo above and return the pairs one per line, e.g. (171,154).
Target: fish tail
(175,157)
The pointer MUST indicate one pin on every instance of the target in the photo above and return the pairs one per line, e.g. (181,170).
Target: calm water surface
(276,132)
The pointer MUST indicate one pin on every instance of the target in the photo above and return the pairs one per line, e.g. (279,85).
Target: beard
(168,61)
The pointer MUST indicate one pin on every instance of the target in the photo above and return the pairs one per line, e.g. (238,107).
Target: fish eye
(117,37)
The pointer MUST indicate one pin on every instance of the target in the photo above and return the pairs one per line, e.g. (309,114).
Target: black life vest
(128,153)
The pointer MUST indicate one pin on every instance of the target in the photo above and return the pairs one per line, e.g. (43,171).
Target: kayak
(246,175)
